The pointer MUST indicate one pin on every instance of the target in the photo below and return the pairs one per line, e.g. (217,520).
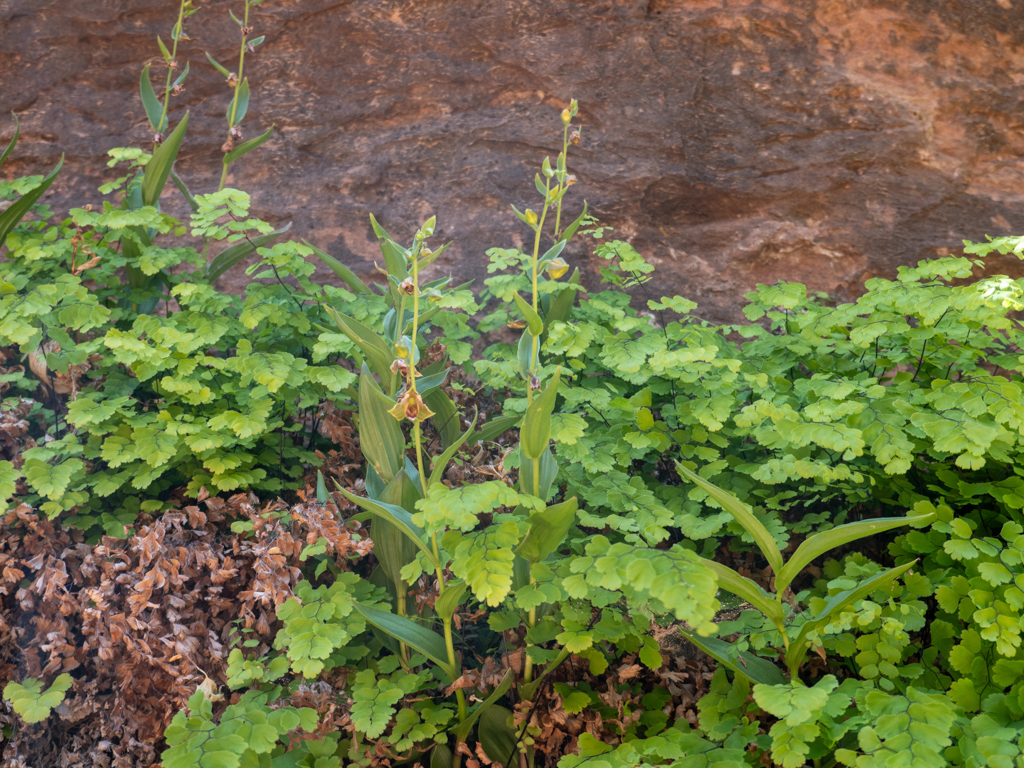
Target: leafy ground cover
(523,523)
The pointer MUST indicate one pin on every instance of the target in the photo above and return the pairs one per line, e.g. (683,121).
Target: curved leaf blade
(441,463)
(150,102)
(820,543)
(16,211)
(463,729)
(14,141)
(227,258)
(536,431)
(159,166)
(754,667)
(397,516)
(745,589)
(343,272)
(247,146)
(418,637)
(743,515)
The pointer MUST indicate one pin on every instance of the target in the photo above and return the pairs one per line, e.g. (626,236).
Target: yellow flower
(411,406)
(531,217)
(566,116)
(556,268)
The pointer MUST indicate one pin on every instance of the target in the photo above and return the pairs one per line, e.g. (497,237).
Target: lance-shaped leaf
(379,356)
(227,258)
(571,229)
(380,435)
(441,462)
(239,104)
(431,257)
(219,67)
(450,600)
(493,429)
(392,545)
(322,496)
(538,483)
(14,140)
(757,669)
(247,146)
(343,272)
(551,253)
(154,109)
(446,415)
(462,729)
(820,543)
(442,757)
(395,515)
(394,255)
(746,589)
(192,202)
(561,305)
(533,321)
(528,353)
(159,166)
(743,515)
(547,530)
(835,604)
(417,637)
(16,211)
(536,431)
(498,740)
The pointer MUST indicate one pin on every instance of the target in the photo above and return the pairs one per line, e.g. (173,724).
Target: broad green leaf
(535,433)
(154,109)
(16,211)
(247,146)
(322,495)
(441,462)
(533,321)
(551,253)
(448,603)
(820,543)
(747,590)
(442,757)
(492,429)
(239,104)
(394,257)
(743,516)
(343,272)
(463,729)
(836,603)
(754,667)
(14,140)
(497,738)
(379,355)
(397,516)
(547,530)
(538,483)
(561,304)
(230,256)
(380,435)
(571,229)
(392,545)
(528,354)
(159,166)
(416,636)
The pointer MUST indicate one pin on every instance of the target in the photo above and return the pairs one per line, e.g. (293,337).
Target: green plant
(773,609)
(31,702)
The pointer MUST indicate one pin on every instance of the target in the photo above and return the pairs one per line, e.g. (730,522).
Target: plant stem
(561,181)
(238,86)
(174,57)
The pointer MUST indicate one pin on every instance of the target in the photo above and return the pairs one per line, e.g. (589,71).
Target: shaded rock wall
(733,142)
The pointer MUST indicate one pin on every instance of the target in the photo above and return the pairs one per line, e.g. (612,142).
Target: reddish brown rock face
(731,142)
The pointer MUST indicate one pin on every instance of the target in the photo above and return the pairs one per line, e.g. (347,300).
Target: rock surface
(731,141)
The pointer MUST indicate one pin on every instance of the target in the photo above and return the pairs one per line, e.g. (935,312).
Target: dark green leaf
(343,272)
(561,304)
(16,211)
(395,515)
(754,667)
(227,258)
(446,415)
(14,140)
(392,544)
(536,430)
(569,231)
(154,109)
(417,637)
(498,740)
(247,146)
(159,166)
(380,435)
(239,104)
(220,68)
(442,757)
(379,356)
(463,728)
(192,203)
(547,530)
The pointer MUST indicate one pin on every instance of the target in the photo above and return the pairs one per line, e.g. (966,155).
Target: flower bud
(250,47)
(531,217)
(401,351)
(556,268)
(574,137)
(534,383)
(566,116)
(574,107)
